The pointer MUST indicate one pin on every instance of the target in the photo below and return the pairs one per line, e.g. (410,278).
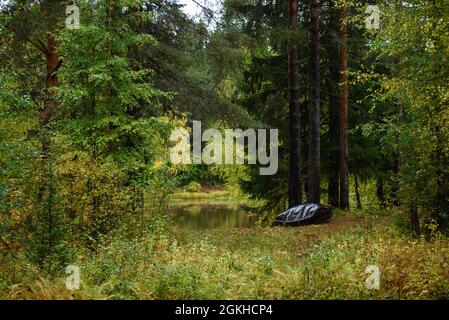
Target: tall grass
(314,262)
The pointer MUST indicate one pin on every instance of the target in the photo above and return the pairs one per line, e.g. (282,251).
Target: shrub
(193,186)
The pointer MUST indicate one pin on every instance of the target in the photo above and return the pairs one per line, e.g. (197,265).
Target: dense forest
(92,92)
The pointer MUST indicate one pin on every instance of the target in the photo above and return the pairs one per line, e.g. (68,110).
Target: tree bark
(314,177)
(52,63)
(295,183)
(344,109)
(334,125)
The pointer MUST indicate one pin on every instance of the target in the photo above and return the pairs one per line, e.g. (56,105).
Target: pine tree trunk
(295,183)
(334,106)
(52,63)
(314,178)
(344,109)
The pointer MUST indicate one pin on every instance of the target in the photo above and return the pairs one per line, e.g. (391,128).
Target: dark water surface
(200,216)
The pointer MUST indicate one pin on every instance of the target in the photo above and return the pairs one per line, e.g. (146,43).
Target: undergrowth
(314,262)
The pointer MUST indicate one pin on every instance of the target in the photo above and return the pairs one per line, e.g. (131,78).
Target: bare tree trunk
(295,183)
(334,106)
(314,178)
(52,63)
(344,109)
(333,174)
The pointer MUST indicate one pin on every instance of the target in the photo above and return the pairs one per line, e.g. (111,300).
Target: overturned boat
(304,214)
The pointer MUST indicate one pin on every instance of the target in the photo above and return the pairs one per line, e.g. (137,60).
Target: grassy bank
(205,195)
(313,262)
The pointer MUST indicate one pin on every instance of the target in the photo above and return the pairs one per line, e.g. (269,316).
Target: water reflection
(211,216)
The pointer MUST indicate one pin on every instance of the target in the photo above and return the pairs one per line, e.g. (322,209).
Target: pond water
(201,216)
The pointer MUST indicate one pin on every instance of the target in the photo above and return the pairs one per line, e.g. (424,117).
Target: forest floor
(326,261)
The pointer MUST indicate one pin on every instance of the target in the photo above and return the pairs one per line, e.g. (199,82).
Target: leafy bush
(178,282)
(193,186)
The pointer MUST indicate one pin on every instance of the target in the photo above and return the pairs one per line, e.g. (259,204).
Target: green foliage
(416,37)
(193,186)
(91,185)
(101,161)
(107,103)
(179,281)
